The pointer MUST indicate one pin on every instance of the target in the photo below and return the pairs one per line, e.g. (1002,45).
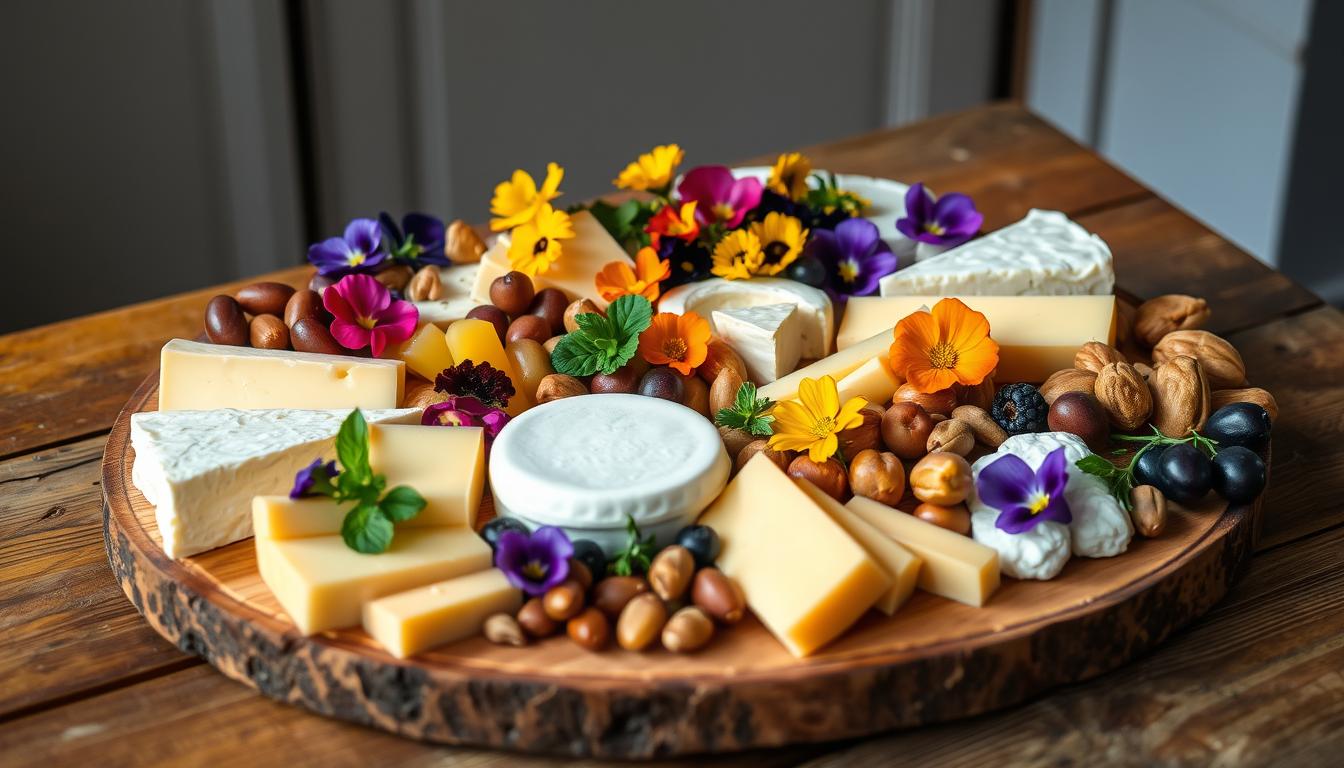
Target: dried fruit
(533,619)
(1093,356)
(866,435)
(829,476)
(1180,397)
(1079,413)
(941,478)
(717,355)
(878,476)
(1019,409)
(955,518)
(1068,380)
(906,427)
(1220,360)
(719,596)
(1157,317)
(1125,396)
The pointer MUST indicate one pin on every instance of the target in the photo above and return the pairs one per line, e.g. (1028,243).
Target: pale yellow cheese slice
(873,381)
(280,517)
(575,272)
(837,366)
(446,465)
(419,619)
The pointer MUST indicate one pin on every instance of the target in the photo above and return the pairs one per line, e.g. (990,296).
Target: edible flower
(535,244)
(950,345)
(480,381)
(652,170)
(417,242)
(359,249)
(618,279)
(948,221)
(364,314)
(466,412)
(812,422)
(855,255)
(680,342)
(788,176)
(782,238)
(1023,497)
(534,562)
(673,221)
(738,255)
(518,199)
(314,480)
(720,198)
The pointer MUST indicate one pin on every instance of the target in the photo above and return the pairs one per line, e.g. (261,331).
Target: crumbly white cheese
(767,337)
(1039,553)
(457,281)
(816,315)
(200,469)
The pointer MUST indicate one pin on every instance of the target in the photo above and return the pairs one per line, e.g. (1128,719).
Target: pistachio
(986,430)
(688,630)
(1124,394)
(1068,380)
(1148,510)
(425,285)
(558,385)
(641,622)
(461,243)
(1159,316)
(1180,396)
(829,475)
(671,571)
(1255,395)
(719,596)
(953,436)
(877,476)
(503,629)
(1093,356)
(1220,360)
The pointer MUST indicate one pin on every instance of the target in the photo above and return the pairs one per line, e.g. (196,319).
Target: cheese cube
(872,381)
(575,272)
(323,584)
(446,465)
(899,563)
(802,574)
(956,567)
(476,340)
(425,353)
(837,366)
(280,517)
(198,377)
(419,619)
(768,338)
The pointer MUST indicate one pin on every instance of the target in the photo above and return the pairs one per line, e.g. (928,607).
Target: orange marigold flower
(680,342)
(671,221)
(617,279)
(950,345)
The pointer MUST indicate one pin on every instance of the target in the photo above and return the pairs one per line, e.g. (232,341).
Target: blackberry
(1019,408)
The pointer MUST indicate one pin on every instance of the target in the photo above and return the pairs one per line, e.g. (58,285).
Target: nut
(717,355)
(1157,317)
(1124,394)
(268,298)
(425,285)
(580,307)
(955,518)
(780,458)
(1180,397)
(461,244)
(641,622)
(1093,356)
(225,322)
(878,476)
(942,401)
(268,332)
(723,389)
(986,430)
(1068,380)
(304,303)
(1148,510)
(980,395)
(563,601)
(503,629)
(1255,395)
(1124,322)
(906,428)
(829,475)
(671,571)
(952,435)
(734,440)
(421,394)
(1220,360)
(612,593)
(687,631)
(580,573)
(1145,370)
(556,386)
(719,596)
(309,334)
(394,277)
(590,630)
(534,621)
(941,478)
(865,436)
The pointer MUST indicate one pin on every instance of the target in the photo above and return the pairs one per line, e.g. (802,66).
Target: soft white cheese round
(585,463)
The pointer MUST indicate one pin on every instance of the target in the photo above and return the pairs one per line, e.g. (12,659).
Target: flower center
(775,252)
(534,570)
(675,349)
(367,323)
(934,228)
(723,211)
(943,355)
(849,270)
(1038,502)
(541,245)
(356,258)
(823,426)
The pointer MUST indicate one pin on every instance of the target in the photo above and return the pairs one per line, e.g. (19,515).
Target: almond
(557,385)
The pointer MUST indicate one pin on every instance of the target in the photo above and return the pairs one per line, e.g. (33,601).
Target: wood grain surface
(1255,682)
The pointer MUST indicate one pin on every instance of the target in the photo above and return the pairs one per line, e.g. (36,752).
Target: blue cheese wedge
(816,316)
(200,469)
(768,338)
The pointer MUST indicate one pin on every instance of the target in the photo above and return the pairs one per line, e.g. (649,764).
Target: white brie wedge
(767,337)
(815,313)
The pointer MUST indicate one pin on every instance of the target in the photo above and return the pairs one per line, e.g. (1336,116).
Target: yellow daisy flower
(789,175)
(518,199)
(651,170)
(782,239)
(811,422)
(535,244)
(737,256)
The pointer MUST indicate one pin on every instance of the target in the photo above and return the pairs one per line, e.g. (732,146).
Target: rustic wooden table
(1259,680)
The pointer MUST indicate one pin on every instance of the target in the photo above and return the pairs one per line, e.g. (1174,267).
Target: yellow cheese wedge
(446,465)
(476,340)
(323,584)
(280,517)
(419,619)
(802,574)
(1037,335)
(837,366)
(900,563)
(872,381)
(199,377)
(956,567)
(575,272)
(425,353)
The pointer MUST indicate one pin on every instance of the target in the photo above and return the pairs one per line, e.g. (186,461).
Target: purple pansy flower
(358,250)
(465,412)
(719,197)
(1023,497)
(856,257)
(534,563)
(949,221)
(419,240)
(314,480)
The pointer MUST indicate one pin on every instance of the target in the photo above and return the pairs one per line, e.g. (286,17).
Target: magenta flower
(719,198)
(465,412)
(1023,497)
(359,249)
(949,221)
(534,563)
(366,316)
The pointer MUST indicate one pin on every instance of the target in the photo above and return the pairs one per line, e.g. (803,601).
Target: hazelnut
(941,478)
(717,355)
(906,427)
(558,385)
(580,307)
(624,380)
(942,401)
(955,518)
(951,435)
(512,292)
(1080,414)
(563,601)
(865,436)
(734,440)
(780,458)
(829,475)
(590,630)
(533,619)
(878,476)
(986,430)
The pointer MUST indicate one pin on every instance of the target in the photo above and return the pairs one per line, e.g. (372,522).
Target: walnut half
(1157,317)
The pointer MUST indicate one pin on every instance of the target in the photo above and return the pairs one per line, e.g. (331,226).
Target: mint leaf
(352,447)
(595,325)
(748,412)
(637,555)
(577,355)
(1093,464)
(402,503)
(367,530)
(630,316)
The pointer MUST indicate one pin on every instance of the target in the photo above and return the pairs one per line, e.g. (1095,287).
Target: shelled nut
(983,426)
(534,621)
(719,596)
(671,571)
(425,285)
(461,243)
(877,475)
(563,601)
(689,630)
(556,386)
(590,630)
(953,436)
(641,622)
(1148,510)
(503,629)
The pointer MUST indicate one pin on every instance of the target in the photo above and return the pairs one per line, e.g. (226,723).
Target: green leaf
(595,325)
(352,447)
(402,503)
(630,315)
(1093,464)
(626,212)
(637,555)
(577,355)
(748,412)
(366,529)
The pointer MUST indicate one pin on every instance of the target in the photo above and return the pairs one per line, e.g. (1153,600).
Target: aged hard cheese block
(425,353)
(900,563)
(200,469)
(445,464)
(873,381)
(1037,335)
(419,619)
(767,337)
(816,316)
(803,576)
(476,340)
(955,566)
(837,366)
(582,257)
(323,584)
(280,517)
(197,377)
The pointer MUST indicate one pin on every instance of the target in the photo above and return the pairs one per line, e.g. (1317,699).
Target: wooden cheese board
(934,660)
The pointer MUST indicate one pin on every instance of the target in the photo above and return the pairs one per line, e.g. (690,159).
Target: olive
(492,530)
(664,383)
(512,292)
(1238,474)
(1146,468)
(807,269)
(1185,474)
(1243,424)
(587,551)
(493,315)
(702,542)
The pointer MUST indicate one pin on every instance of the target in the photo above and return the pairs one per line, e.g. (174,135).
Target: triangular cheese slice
(768,337)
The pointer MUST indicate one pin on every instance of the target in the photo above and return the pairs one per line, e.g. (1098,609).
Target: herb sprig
(603,343)
(748,412)
(624,222)
(1120,480)
(637,555)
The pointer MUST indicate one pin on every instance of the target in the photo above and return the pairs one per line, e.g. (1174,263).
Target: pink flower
(366,316)
(718,196)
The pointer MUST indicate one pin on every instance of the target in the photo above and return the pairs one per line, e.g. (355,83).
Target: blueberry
(1019,408)
(587,551)
(1185,474)
(807,269)
(702,542)
(1238,474)
(1243,424)
(1146,469)
(492,530)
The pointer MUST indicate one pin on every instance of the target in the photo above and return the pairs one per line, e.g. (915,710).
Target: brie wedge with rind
(815,314)
(766,337)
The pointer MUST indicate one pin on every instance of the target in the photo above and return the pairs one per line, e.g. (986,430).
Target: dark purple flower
(314,480)
(720,198)
(358,250)
(1024,498)
(466,412)
(480,380)
(951,220)
(855,255)
(419,240)
(534,563)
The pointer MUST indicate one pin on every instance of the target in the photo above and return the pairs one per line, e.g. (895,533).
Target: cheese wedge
(196,377)
(477,341)
(419,619)
(815,313)
(803,576)
(425,354)
(323,584)
(956,567)
(837,366)
(873,381)
(446,465)
(575,272)
(768,338)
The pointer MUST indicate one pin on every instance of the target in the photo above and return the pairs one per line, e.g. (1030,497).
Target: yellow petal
(811,394)
(849,416)
(830,396)
(823,449)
